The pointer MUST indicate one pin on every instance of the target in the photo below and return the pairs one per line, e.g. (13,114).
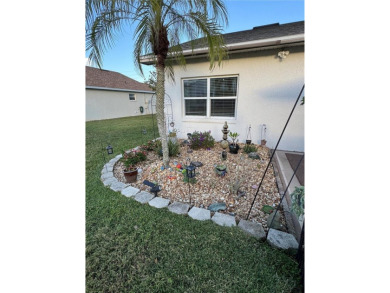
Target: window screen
(223,107)
(195,107)
(223,87)
(195,88)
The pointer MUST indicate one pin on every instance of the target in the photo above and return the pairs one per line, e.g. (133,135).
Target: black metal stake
(301,256)
(269,163)
(189,192)
(104,157)
(285,191)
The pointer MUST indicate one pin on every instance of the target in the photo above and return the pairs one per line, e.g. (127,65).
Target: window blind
(223,107)
(223,87)
(195,88)
(196,107)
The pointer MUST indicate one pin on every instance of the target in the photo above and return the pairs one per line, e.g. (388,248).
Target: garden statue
(225,131)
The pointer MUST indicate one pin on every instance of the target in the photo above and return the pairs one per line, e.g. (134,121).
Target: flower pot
(131,175)
(248,141)
(234,149)
(220,170)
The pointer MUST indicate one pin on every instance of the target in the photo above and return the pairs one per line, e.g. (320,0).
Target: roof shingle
(95,77)
(257,33)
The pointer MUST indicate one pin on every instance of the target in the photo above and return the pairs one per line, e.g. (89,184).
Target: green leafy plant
(149,146)
(233,136)
(173,148)
(234,185)
(250,148)
(298,201)
(202,140)
(131,158)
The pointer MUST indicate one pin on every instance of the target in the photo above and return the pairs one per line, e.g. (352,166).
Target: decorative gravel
(209,187)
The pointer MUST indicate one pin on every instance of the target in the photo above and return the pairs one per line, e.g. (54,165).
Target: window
(210,97)
(132,97)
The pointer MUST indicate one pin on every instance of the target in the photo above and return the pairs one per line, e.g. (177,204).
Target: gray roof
(95,77)
(257,33)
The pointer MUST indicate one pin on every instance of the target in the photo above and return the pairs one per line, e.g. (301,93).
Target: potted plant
(130,159)
(220,170)
(234,147)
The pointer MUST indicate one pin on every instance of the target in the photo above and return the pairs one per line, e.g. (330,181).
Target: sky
(242,15)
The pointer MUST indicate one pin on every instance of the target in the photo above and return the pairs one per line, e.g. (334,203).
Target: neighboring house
(110,95)
(257,86)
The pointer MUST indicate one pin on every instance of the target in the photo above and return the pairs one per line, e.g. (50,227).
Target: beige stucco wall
(107,104)
(267,90)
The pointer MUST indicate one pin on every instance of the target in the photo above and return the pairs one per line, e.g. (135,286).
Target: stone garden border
(251,228)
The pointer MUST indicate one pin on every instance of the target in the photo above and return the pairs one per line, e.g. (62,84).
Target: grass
(132,247)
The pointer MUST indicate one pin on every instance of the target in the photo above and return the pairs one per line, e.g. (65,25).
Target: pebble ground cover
(136,248)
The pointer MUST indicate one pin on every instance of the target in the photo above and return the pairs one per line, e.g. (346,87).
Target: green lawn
(136,248)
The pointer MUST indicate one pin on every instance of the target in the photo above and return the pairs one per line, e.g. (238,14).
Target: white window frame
(209,98)
(135,97)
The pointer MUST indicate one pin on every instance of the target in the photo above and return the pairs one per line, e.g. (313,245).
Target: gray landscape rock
(159,202)
(199,214)
(108,168)
(143,197)
(113,161)
(254,156)
(282,240)
(109,181)
(215,207)
(277,222)
(107,175)
(197,164)
(179,208)
(130,191)
(224,220)
(253,229)
(118,186)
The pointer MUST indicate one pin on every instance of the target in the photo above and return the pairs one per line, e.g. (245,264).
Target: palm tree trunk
(160,93)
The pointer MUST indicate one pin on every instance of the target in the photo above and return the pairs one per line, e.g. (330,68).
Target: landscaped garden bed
(236,189)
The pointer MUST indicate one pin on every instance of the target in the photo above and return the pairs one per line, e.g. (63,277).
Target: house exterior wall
(108,104)
(267,90)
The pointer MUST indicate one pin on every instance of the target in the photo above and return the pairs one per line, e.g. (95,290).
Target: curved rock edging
(107,177)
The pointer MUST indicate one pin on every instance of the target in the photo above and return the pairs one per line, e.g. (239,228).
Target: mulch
(293,159)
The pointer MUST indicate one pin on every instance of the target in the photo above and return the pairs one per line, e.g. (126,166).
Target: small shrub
(173,148)
(298,201)
(234,185)
(250,148)
(202,140)
(149,146)
(130,159)
(233,136)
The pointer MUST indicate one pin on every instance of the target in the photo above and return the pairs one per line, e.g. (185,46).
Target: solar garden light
(190,172)
(110,150)
(224,155)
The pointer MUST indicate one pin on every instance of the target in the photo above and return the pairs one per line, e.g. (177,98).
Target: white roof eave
(242,45)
